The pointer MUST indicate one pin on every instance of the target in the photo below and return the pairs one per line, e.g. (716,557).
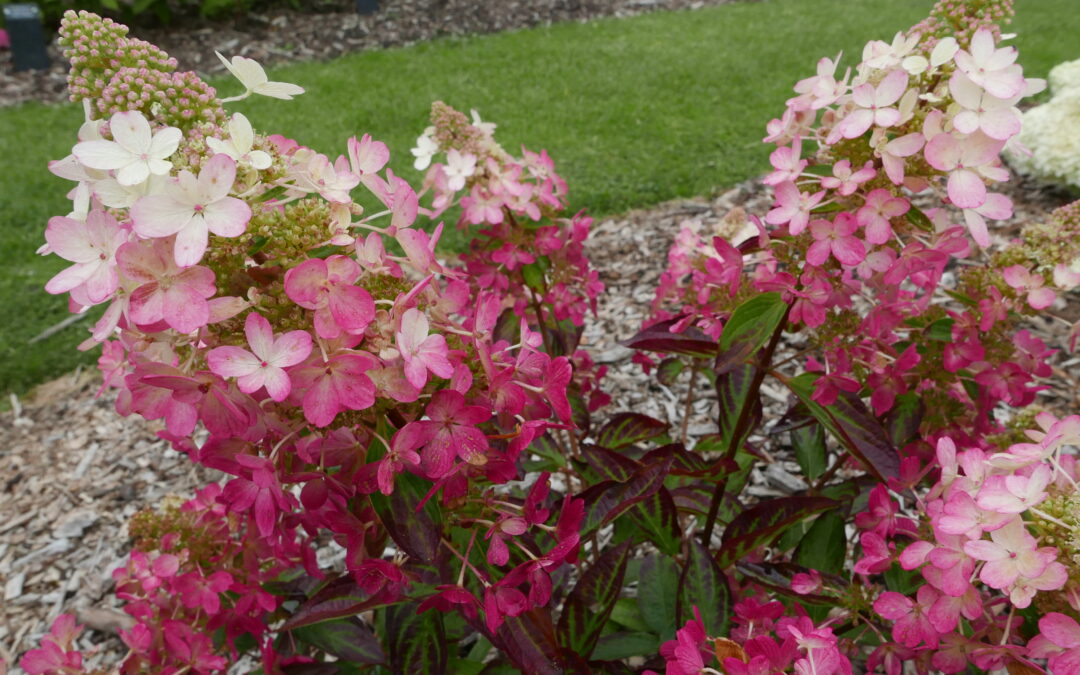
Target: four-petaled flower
(264,365)
(135,153)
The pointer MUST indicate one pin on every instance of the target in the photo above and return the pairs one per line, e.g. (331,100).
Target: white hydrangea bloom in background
(1051,132)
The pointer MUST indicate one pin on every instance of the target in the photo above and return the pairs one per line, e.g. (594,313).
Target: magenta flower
(264,365)
(451,430)
(261,494)
(92,246)
(911,625)
(191,207)
(327,286)
(1024,281)
(340,383)
(401,453)
(1063,632)
(880,207)
(420,351)
(873,105)
(176,295)
(835,238)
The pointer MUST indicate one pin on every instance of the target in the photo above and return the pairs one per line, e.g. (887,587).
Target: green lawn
(634,111)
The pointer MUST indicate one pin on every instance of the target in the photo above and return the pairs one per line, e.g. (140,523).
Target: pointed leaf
(658,520)
(608,500)
(417,532)
(340,598)
(824,547)
(416,642)
(703,585)
(733,390)
(588,606)
(625,645)
(810,449)
(668,371)
(609,464)
(629,428)
(659,338)
(529,641)
(749,328)
(658,588)
(904,418)
(347,639)
(760,524)
(853,425)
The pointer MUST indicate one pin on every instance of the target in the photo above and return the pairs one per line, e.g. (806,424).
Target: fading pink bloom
(874,106)
(966,160)
(991,68)
(264,365)
(1023,280)
(92,246)
(327,286)
(893,153)
(166,292)
(844,180)
(420,351)
(340,383)
(1063,632)
(793,207)
(191,207)
(995,117)
(1011,554)
(1015,493)
(787,162)
(880,207)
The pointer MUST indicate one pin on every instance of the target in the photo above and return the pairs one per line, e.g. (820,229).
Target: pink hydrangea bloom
(264,365)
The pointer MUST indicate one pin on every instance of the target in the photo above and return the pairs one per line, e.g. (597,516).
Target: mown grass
(634,111)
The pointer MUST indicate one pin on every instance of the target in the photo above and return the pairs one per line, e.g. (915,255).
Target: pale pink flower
(793,207)
(176,295)
(995,117)
(1066,277)
(367,158)
(874,106)
(1023,280)
(844,180)
(481,206)
(135,151)
(787,162)
(961,515)
(835,237)
(996,207)
(966,160)
(893,153)
(1015,493)
(239,145)
(264,365)
(989,67)
(333,183)
(191,207)
(821,90)
(880,207)
(1012,553)
(92,246)
(328,287)
(459,166)
(1063,632)
(420,351)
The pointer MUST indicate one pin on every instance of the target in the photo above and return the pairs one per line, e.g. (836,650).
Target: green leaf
(627,614)
(417,532)
(940,330)
(733,391)
(347,639)
(749,328)
(703,585)
(588,606)
(533,273)
(853,425)
(824,547)
(258,243)
(658,587)
(416,642)
(669,369)
(902,581)
(324,251)
(810,450)
(919,219)
(657,518)
(626,429)
(760,524)
(608,500)
(624,645)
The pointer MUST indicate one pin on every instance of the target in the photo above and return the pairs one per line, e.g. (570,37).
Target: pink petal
(818,252)
(159,216)
(966,189)
(1001,124)
(216,177)
(253,382)
(304,282)
(1041,298)
(68,238)
(352,307)
(277,381)
(891,88)
(184,308)
(321,404)
(1060,629)
(259,335)
(290,349)
(191,243)
(891,605)
(69,278)
(849,251)
(147,304)
(227,217)
(232,362)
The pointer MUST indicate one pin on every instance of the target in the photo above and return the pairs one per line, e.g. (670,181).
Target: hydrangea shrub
(1050,140)
(418,474)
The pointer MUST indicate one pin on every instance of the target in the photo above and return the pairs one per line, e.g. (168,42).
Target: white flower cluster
(1052,131)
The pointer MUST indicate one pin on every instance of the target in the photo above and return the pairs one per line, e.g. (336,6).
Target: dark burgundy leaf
(606,501)
(589,605)
(417,532)
(703,585)
(609,464)
(658,338)
(347,639)
(760,524)
(853,425)
(629,428)
(529,641)
(341,597)
(904,418)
